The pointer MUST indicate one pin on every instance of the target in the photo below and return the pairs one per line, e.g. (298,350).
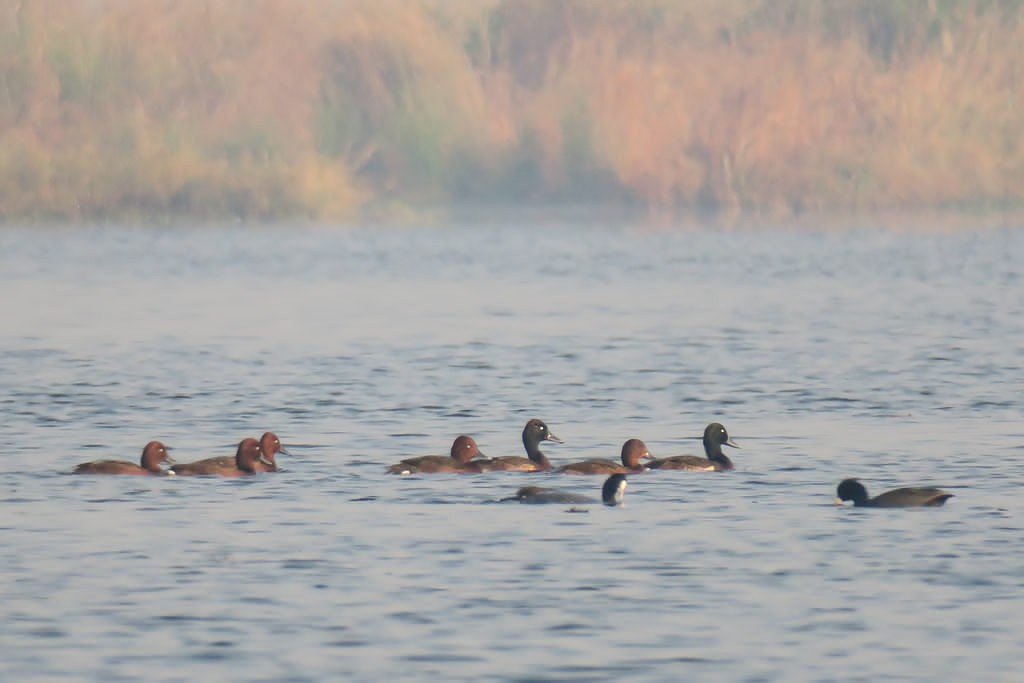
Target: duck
(534,432)
(715,436)
(463,450)
(153,454)
(245,462)
(907,497)
(612,493)
(632,452)
(270,445)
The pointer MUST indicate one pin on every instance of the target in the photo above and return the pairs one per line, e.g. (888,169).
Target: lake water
(896,356)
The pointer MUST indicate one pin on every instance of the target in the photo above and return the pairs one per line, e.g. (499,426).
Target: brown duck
(153,454)
(633,451)
(464,449)
(245,462)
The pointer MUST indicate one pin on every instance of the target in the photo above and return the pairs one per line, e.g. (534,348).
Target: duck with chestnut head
(459,459)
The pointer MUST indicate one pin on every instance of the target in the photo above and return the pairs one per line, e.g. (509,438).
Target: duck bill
(837,501)
(479,456)
(263,459)
(730,442)
(282,449)
(552,437)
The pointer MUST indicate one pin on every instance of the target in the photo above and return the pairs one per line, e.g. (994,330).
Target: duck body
(611,494)
(245,462)
(715,436)
(633,450)
(112,467)
(540,495)
(463,450)
(153,454)
(689,462)
(534,432)
(594,466)
(513,463)
(908,496)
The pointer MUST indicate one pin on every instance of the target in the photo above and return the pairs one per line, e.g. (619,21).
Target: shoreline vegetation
(337,110)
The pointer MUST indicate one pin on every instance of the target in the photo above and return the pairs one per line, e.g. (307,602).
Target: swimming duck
(464,449)
(534,432)
(153,454)
(851,489)
(246,458)
(270,445)
(611,494)
(632,452)
(715,437)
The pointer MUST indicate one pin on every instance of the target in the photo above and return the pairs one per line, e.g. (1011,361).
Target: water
(894,356)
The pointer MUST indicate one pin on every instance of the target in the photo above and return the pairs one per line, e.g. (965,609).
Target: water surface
(894,356)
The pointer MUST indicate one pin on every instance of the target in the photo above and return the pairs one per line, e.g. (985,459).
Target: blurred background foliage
(334,109)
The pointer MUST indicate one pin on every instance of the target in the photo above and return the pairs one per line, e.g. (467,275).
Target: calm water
(894,356)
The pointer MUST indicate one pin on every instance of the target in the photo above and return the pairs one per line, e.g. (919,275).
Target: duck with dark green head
(534,432)
(715,436)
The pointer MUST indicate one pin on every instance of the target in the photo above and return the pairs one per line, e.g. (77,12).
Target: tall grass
(269,109)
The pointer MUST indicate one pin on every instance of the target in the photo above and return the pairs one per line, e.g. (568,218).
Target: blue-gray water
(893,356)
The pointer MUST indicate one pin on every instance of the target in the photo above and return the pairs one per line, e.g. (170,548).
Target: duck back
(110,467)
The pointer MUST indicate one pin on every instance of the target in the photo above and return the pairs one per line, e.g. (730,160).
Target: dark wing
(911,497)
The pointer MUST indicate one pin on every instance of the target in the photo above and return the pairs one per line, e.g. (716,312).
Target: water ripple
(886,356)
